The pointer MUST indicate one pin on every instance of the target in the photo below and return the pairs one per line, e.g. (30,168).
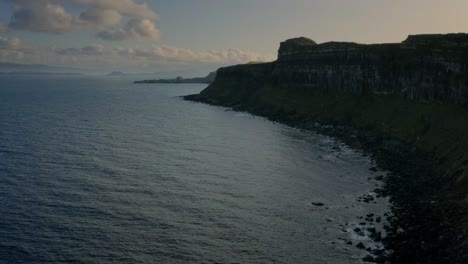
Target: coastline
(179,80)
(426,228)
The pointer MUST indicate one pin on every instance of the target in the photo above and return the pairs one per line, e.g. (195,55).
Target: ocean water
(99,170)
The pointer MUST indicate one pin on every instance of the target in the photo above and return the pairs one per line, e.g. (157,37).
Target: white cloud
(44,16)
(142,59)
(165,54)
(135,29)
(100,15)
(175,54)
(14,49)
(125,7)
(89,50)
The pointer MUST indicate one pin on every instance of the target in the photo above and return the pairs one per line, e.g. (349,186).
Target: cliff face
(414,92)
(423,68)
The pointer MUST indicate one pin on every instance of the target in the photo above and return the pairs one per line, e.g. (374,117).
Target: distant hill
(116,73)
(207,79)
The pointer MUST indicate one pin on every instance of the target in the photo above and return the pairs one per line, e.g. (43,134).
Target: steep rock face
(236,84)
(425,69)
(414,92)
(295,46)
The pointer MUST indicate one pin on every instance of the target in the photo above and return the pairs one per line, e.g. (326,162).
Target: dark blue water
(98,170)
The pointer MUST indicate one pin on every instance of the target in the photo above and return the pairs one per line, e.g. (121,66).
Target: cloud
(175,54)
(125,7)
(14,49)
(43,16)
(3,28)
(16,44)
(135,29)
(105,16)
(101,17)
(102,57)
(94,50)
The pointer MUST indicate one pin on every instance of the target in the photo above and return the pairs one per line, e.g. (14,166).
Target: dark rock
(431,69)
(380,259)
(360,245)
(368,258)
(318,204)
(377,252)
(377,236)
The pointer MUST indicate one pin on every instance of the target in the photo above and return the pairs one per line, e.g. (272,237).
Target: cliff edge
(414,93)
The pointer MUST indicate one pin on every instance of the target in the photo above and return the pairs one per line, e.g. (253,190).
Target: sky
(202,35)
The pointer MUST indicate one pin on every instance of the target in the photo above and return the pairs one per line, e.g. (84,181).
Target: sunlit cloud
(125,7)
(89,50)
(16,50)
(135,29)
(175,54)
(104,16)
(159,55)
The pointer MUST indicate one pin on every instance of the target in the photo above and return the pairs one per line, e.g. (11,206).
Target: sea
(101,170)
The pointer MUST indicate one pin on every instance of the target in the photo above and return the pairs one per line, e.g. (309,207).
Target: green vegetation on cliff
(415,93)
(439,129)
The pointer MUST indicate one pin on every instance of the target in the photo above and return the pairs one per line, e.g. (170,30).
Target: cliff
(414,92)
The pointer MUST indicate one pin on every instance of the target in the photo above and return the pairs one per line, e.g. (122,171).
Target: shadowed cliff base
(405,103)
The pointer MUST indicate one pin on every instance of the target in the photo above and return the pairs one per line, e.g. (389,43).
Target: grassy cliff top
(453,39)
(301,41)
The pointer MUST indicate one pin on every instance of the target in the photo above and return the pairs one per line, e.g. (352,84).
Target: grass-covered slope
(439,129)
(430,197)
(414,93)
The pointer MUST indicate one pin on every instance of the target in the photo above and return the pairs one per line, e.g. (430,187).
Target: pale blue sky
(252,26)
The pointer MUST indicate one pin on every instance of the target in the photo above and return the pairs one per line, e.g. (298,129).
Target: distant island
(116,73)
(207,79)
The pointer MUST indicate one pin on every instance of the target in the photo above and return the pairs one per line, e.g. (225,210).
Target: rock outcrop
(425,68)
(414,93)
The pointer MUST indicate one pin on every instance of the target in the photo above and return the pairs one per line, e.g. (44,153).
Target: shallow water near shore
(99,170)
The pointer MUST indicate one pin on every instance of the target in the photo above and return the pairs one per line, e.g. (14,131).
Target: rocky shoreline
(424,227)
